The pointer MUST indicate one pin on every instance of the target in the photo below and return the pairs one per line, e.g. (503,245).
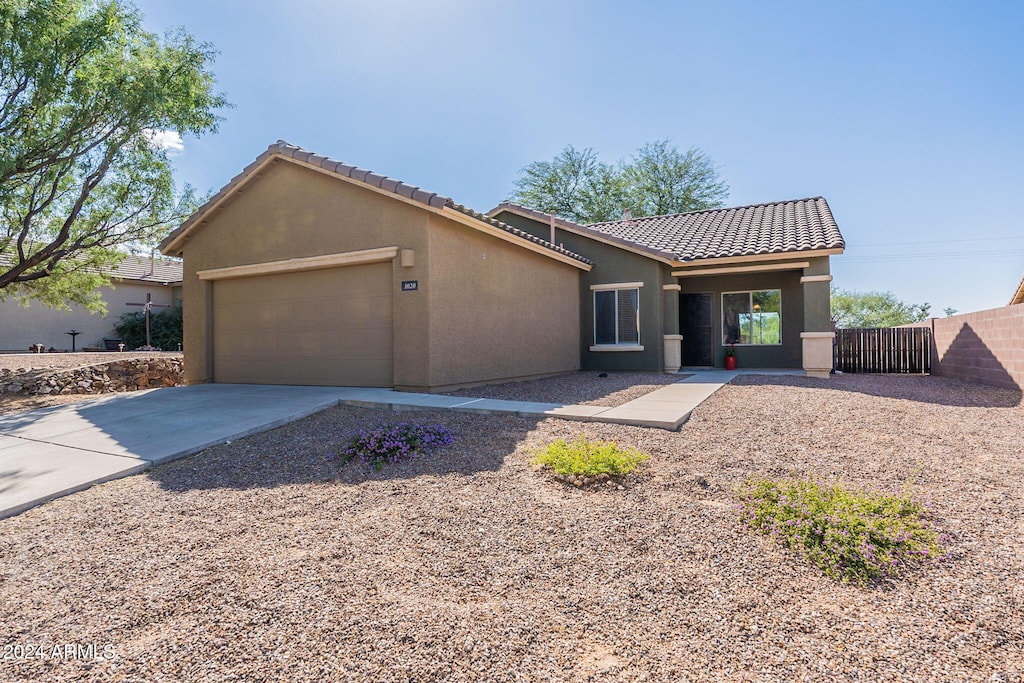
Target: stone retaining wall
(128,374)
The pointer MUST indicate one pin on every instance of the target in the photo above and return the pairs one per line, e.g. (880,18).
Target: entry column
(817,337)
(670,316)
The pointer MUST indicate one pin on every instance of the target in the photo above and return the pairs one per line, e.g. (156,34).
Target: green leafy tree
(85,96)
(575,185)
(657,180)
(662,180)
(851,309)
(165,329)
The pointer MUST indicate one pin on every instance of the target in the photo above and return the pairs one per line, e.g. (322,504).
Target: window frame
(750,304)
(616,287)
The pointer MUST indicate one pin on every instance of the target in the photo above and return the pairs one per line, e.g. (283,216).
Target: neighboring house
(22,327)
(304,270)
(1018,296)
(671,291)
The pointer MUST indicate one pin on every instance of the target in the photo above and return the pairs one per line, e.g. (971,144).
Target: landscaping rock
(123,374)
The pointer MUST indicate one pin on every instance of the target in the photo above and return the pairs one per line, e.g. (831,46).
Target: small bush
(583,457)
(851,536)
(390,443)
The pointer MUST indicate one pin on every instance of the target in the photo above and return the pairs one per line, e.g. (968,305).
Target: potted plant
(730,357)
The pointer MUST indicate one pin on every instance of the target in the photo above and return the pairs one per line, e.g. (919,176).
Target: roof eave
(172,244)
(1018,296)
(756,258)
(583,231)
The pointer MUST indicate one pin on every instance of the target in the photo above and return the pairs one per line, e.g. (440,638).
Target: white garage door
(320,327)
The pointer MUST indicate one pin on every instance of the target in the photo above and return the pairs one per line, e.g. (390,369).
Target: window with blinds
(617,317)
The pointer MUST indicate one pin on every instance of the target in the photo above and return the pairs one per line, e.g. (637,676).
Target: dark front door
(695,326)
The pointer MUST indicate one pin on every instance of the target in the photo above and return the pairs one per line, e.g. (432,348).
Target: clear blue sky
(906,116)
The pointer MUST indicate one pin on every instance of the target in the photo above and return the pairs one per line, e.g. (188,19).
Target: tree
(575,185)
(662,180)
(85,95)
(658,180)
(851,309)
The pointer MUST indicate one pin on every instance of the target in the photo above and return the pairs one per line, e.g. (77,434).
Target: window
(752,317)
(617,317)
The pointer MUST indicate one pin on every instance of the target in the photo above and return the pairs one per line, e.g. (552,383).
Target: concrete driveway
(54,451)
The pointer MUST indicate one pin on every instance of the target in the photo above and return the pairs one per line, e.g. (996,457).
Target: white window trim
(609,287)
(750,295)
(616,285)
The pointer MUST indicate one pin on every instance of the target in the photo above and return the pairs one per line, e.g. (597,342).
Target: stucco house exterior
(132,280)
(305,270)
(755,278)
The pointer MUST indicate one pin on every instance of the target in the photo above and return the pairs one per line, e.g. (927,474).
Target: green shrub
(165,329)
(583,457)
(851,536)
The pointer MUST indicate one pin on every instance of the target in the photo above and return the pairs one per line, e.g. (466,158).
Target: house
(752,277)
(1018,296)
(136,277)
(305,270)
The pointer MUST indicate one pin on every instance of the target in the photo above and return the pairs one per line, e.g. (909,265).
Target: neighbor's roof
(1018,296)
(144,269)
(137,268)
(793,226)
(286,151)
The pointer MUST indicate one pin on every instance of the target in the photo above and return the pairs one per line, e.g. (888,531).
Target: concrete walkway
(55,451)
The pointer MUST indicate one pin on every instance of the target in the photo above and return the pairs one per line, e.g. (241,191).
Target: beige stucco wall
(498,311)
(294,212)
(38,324)
(444,333)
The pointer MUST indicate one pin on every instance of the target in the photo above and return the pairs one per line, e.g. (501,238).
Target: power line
(901,244)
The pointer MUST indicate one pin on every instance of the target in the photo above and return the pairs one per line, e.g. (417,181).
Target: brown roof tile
(144,269)
(774,228)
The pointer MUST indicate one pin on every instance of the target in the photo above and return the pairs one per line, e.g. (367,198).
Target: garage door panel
(325,327)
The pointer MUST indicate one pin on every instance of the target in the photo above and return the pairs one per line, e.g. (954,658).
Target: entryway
(695,324)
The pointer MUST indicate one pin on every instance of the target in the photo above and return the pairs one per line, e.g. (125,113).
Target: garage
(303,270)
(329,327)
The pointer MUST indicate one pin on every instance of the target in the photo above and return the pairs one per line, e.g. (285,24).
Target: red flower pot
(730,362)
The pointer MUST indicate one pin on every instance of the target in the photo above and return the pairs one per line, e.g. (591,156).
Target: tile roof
(578,228)
(144,269)
(773,228)
(139,268)
(285,150)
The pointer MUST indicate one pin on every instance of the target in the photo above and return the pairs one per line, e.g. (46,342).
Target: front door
(695,326)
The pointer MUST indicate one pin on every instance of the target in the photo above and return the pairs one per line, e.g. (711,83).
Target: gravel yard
(585,387)
(258,560)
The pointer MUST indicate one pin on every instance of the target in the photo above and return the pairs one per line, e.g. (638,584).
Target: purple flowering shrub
(851,536)
(390,443)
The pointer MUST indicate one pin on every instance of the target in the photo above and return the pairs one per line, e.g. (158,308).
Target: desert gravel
(585,387)
(260,561)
